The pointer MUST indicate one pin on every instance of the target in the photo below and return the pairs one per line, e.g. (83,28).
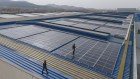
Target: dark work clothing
(45,67)
(73,53)
(73,47)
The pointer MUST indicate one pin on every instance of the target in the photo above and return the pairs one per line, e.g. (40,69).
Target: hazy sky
(101,4)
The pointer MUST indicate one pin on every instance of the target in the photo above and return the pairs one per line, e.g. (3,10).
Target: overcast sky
(99,4)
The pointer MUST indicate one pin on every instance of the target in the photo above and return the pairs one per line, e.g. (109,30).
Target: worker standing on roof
(45,67)
(73,53)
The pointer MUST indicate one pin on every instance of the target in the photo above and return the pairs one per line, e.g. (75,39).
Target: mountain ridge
(28,5)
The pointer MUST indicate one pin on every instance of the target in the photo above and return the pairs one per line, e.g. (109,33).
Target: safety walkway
(68,68)
(127,40)
(27,64)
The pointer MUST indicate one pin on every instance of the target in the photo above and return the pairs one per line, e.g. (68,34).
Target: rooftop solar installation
(115,32)
(73,24)
(117,25)
(110,19)
(9,26)
(63,22)
(101,51)
(23,31)
(113,18)
(86,26)
(78,20)
(109,15)
(8,16)
(96,22)
(49,40)
(81,25)
(103,17)
(100,55)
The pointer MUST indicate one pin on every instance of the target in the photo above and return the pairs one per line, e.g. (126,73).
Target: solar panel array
(23,31)
(113,18)
(101,23)
(74,24)
(115,32)
(94,22)
(49,40)
(86,21)
(103,17)
(9,26)
(86,26)
(117,25)
(115,29)
(93,16)
(63,22)
(78,20)
(97,54)
(113,15)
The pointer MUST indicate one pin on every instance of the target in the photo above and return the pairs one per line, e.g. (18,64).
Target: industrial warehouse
(105,45)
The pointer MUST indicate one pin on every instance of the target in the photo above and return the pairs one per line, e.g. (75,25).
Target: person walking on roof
(45,67)
(73,53)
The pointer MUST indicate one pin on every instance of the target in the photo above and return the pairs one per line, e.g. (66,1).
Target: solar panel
(73,24)
(117,25)
(115,32)
(97,54)
(63,22)
(105,17)
(113,18)
(86,26)
(109,57)
(78,20)
(9,26)
(24,31)
(49,40)
(96,22)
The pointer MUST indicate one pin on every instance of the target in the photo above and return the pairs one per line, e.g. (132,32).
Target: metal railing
(134,56)
(127,38)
